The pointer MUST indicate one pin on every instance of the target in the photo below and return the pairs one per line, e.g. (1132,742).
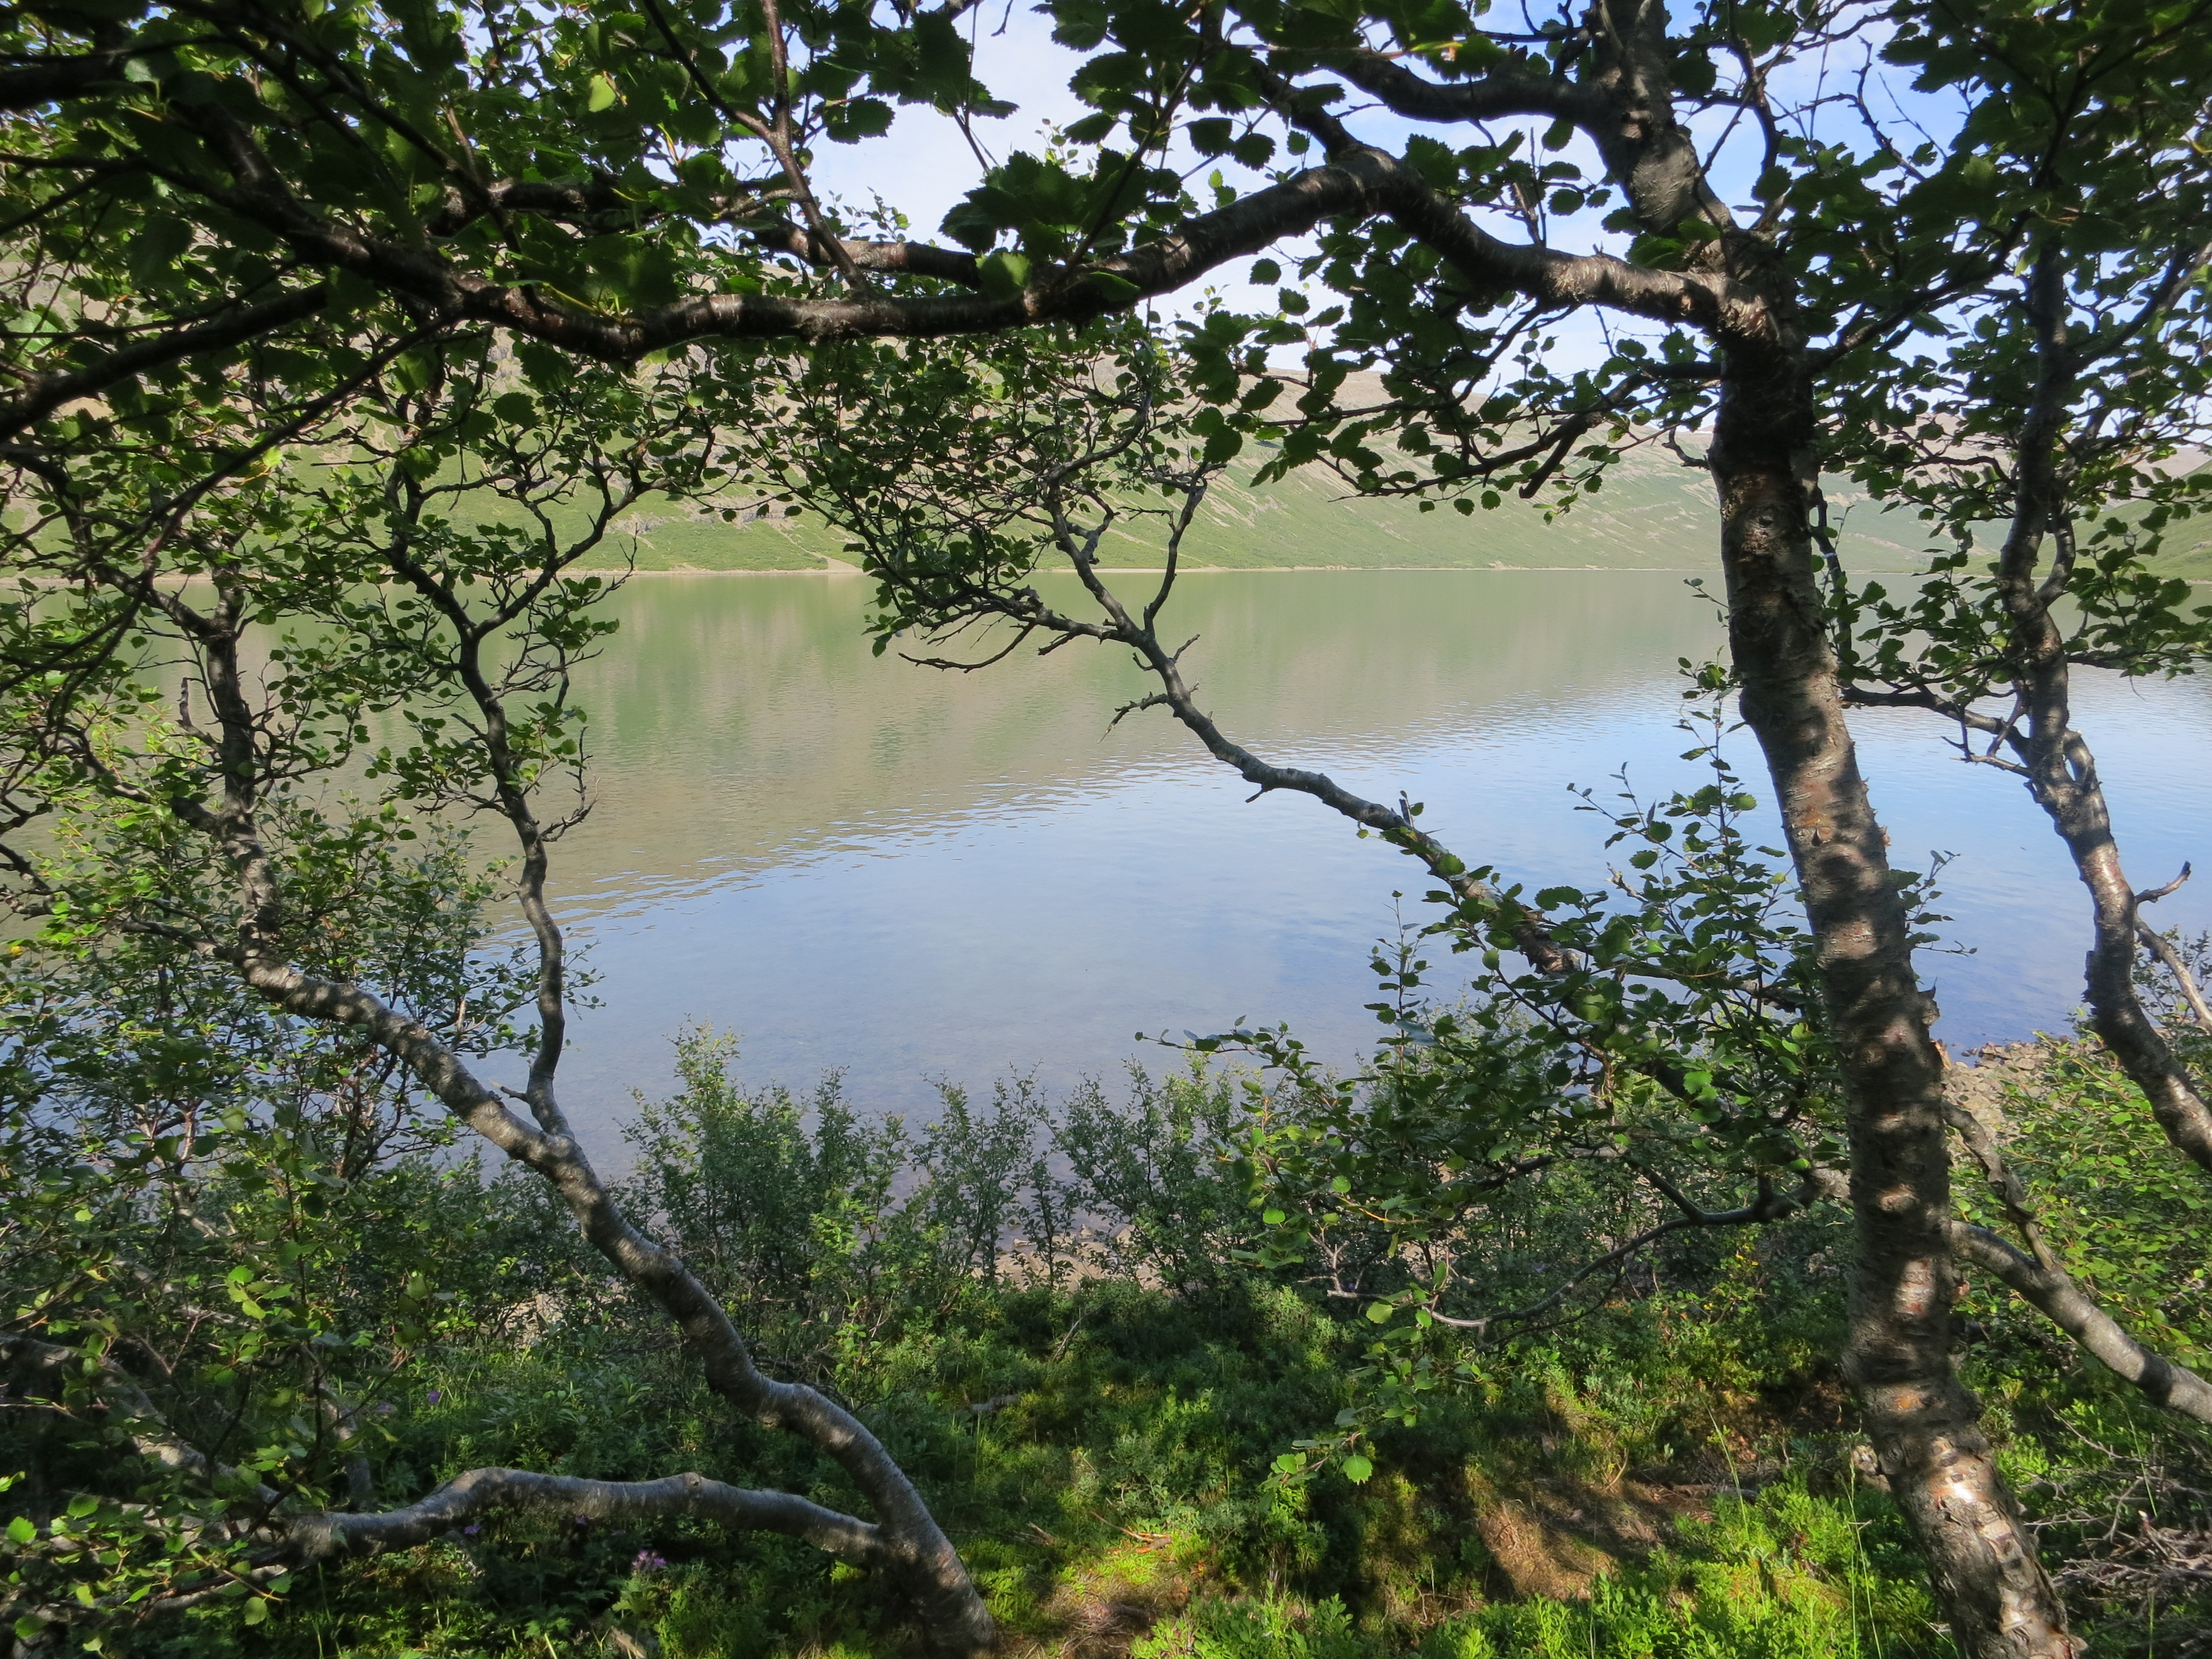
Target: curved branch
(45,1370)
(56,79)
(1360,182)
(2041,1280)
(948,265)
(2052,1293)
(1501,93)
(2061,770)
(565,202)
(912,1543)
(1395,826)
(489,1492)
(45,394)
(2162,947)
(912,1540)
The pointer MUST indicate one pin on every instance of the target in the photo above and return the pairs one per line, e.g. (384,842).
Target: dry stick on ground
(905,1543)
(45,1372)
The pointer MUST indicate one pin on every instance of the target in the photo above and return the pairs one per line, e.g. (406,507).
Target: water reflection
(860,863)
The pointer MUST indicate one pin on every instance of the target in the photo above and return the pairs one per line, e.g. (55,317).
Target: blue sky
(924,166)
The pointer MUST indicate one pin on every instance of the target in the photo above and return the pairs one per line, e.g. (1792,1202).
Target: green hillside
(2188,551)
(1653,514)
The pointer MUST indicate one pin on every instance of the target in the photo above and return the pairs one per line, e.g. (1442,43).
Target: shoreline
(840,568)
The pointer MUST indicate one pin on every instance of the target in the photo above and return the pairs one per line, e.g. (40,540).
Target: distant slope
(2188,550)
(697,541)
(2188,555)
(1652,514)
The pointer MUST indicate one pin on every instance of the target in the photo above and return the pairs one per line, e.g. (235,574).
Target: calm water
(854,862)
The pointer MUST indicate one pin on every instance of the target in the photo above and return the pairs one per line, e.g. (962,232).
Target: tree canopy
(313,303)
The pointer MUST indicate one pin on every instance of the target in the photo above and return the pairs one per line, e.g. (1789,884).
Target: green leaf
(1358,1469)
(22,1531)
(155,247)
(855,118)
(603,95)
(633,270)
(1117,291)
(1004,273)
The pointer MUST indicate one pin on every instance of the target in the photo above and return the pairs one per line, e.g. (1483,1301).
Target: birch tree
(247,711)
(1776,217)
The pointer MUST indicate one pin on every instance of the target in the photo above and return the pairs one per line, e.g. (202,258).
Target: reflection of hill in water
(859,863)
(735,723)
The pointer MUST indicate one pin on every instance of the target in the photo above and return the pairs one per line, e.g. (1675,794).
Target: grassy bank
(1101,1457)
(1670,1469)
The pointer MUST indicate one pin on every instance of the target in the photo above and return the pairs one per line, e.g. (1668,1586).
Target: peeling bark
(1924,1423)
(2062,772)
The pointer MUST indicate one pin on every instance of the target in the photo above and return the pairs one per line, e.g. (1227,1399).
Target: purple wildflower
(434,1397)
(646,1561)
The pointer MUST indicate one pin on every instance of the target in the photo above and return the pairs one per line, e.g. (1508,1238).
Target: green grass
(1116,1500)
(1668,1474)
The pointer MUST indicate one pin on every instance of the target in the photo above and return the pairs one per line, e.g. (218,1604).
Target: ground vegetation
(315,302)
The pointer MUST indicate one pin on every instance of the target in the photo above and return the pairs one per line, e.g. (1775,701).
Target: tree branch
(2053,1293)
(43,394)
(1500,93)
(489,1492)
(1362,182)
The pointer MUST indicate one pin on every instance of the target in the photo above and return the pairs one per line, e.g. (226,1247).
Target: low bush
(1057,1322)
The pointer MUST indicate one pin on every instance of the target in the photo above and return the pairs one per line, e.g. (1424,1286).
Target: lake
(857,863)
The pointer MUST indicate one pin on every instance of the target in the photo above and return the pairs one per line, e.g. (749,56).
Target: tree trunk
(1924,1423)
(2062,771)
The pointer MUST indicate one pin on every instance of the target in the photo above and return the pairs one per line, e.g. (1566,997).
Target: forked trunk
(1924,1423)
